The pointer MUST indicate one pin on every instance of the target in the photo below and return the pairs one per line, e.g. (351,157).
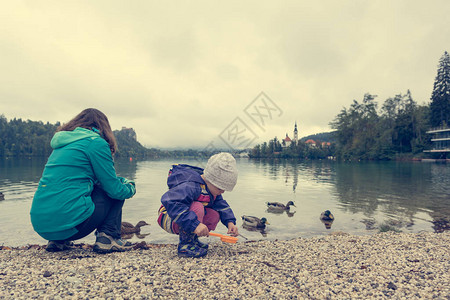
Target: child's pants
(207,216)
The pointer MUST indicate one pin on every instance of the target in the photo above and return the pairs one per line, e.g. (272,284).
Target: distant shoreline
(412,159)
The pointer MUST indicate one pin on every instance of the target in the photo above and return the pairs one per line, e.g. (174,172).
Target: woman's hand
(232,229)
(201,230)
(127,181)
(131,183)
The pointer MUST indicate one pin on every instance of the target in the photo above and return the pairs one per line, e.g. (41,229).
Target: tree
(422,123)
(399,129)
(440,97)
(399,122)
(356,129)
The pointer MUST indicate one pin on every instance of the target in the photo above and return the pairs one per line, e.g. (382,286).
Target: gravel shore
(340,266)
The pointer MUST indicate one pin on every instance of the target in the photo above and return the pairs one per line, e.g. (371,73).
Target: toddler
(193,205)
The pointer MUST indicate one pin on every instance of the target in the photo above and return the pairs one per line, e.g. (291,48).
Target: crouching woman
(79,191)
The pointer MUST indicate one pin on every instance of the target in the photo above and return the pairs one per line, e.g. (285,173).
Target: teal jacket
(80,159)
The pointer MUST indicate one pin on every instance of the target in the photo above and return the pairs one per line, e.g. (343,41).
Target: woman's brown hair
(92,118)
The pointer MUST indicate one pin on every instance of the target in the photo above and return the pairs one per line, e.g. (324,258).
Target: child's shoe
(191,250)
(188,247)
(106,244)
(56,246)
(200,244)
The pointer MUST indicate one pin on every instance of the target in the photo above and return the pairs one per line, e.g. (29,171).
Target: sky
(214,74)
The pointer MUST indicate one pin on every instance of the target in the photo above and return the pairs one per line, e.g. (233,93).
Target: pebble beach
(338,266)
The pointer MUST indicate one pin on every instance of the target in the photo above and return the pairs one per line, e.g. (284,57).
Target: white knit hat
(221,171)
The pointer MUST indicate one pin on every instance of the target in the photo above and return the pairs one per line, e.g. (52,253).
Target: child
(193,205)
(79,190)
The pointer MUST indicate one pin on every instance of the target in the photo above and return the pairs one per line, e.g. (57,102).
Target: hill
(322,137)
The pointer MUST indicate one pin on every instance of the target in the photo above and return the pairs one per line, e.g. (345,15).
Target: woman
(79,190)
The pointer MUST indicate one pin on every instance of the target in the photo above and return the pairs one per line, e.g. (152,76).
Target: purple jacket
(185,187)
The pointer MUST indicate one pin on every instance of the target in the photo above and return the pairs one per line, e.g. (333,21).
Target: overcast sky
(191,73)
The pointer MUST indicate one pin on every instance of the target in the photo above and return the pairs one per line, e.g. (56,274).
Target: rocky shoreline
(339,266)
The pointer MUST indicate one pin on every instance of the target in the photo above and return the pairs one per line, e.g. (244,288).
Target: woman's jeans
(106,218)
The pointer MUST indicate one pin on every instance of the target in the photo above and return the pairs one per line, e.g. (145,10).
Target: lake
(363,197)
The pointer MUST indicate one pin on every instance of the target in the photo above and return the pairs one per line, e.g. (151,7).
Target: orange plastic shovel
(225,238)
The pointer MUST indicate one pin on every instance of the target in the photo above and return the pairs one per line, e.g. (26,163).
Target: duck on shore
(255,222)
(277,206)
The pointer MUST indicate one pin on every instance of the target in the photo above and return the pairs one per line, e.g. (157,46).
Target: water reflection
(291,172)
(364,197)
(263,232)
(128,230)
(327,223)
(126,168)
(289,213)
(441,220)
(19,177)
(17,170)
(387,194)
(400,190)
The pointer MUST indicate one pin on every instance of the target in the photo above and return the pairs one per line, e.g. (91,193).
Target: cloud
(179,73)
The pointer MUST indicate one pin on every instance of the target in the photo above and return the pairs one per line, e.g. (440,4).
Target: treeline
(397,129)
(128,146)
(300,150)
(32,138)
(362,132)
(365,132)
(25,138)
(323,137)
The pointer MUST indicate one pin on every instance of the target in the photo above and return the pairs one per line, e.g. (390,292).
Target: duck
(255,222)
(280,206)
(128,228)
(326,216)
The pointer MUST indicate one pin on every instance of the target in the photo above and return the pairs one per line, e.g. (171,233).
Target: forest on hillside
(366,131)
(32,138)
(25,138)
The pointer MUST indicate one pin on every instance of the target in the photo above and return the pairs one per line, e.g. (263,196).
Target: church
(287,141)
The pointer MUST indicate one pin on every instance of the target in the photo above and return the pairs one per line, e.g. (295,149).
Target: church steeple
(295,133)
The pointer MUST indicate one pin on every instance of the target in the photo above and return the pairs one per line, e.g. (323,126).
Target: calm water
(362,196)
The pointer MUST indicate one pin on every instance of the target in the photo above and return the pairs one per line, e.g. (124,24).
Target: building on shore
(130,132)
(440,139)
(287,141)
